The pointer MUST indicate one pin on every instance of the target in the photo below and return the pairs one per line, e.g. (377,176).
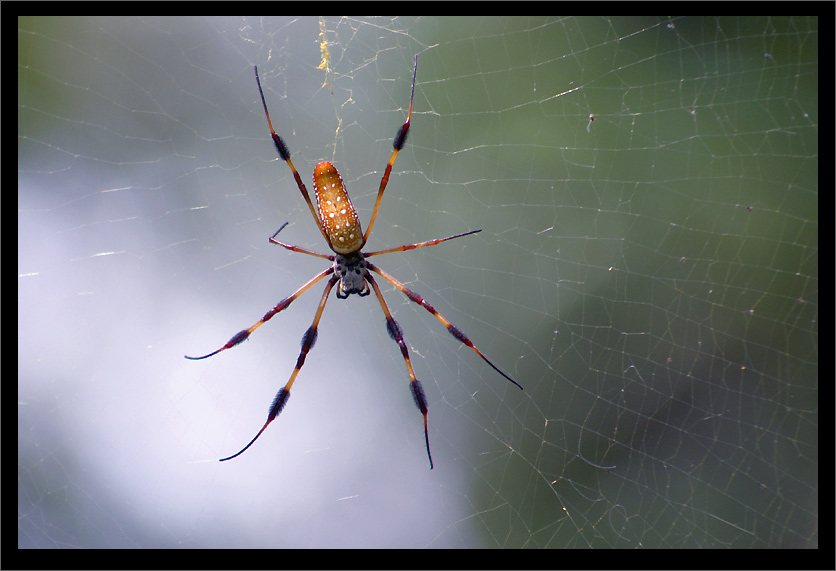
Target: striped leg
(297,248)
(242,336)
(413,246)
(454,331)
(396,333)
(400,141)
(284,153)
(308,340)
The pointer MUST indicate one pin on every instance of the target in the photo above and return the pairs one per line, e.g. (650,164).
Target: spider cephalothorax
(352,270)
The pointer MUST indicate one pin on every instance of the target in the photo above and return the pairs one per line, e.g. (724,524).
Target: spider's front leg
(308,341)
(244,334)
(454,331)
(396,333)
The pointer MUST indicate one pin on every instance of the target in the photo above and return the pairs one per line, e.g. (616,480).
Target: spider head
(352,271)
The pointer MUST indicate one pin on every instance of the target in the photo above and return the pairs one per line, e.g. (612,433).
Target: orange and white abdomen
(337,214)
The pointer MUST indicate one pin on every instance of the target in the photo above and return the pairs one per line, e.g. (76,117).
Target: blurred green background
(650,278)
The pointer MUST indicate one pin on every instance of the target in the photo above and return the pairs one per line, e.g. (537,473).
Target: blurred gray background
(650,278)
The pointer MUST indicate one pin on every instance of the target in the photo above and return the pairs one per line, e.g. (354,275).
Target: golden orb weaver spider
(340,226)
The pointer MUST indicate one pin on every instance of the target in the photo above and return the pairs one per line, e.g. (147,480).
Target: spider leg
(454,331)
(296,248)
(400,141)
(418,245)
(242,335)
(284,153)
(308,340)
(396,333)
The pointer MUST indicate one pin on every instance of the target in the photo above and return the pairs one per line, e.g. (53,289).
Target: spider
(338,222)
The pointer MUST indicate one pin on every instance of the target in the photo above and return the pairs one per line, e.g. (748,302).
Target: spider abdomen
(336,213)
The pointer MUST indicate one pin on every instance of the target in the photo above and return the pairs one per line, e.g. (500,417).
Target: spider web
(649,277)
